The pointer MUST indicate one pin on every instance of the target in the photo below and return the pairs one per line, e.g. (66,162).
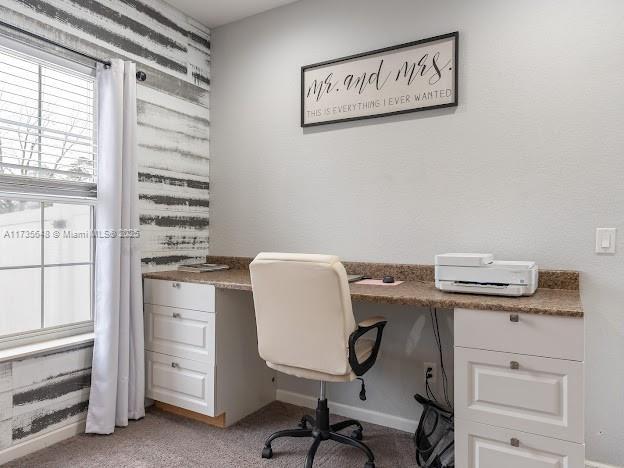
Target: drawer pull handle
(514,365)
(175,285)
(514,442)
(175,365)
(514,318)
(177,315)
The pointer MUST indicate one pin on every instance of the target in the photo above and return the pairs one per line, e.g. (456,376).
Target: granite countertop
(564,301)
(224,279)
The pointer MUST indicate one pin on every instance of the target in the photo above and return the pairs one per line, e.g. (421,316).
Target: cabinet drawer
(180,332)
(482,446)
(184,295)
(533,394)
(180,382)
(538,335)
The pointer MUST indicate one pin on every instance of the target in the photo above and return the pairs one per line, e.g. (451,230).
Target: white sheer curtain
(117,376)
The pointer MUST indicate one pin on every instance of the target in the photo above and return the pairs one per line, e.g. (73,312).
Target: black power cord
(428,390)
(362,389)
(436,333)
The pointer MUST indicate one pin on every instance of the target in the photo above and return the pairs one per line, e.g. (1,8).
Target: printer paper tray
(477,288)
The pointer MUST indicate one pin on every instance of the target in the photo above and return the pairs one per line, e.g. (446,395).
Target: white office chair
(306,329)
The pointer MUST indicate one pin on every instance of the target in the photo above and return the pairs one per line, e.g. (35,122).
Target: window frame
(53,191)
(59,331)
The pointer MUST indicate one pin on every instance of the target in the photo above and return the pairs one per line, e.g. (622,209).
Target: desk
(546,301)
(518,362)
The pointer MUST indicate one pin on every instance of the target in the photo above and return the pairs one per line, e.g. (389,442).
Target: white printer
(476,273)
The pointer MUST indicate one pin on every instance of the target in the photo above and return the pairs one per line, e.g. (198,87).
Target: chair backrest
(303,311)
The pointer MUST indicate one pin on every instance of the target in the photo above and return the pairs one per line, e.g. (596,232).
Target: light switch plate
(605,240)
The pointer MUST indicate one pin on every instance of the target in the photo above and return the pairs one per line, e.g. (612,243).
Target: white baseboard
(591,464)
(348,411)
(42,441)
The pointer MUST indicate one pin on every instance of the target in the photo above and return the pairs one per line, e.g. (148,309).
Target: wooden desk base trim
(217,421)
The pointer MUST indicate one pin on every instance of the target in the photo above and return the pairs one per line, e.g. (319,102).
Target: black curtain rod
(140,75)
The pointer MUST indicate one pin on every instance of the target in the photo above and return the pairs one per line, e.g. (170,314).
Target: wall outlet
(430,371)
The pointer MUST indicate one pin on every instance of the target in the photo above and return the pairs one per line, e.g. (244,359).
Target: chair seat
(363,349)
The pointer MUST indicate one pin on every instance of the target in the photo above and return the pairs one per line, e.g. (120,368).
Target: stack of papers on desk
(202,267)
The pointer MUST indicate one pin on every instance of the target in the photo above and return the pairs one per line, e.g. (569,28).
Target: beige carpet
(162,439)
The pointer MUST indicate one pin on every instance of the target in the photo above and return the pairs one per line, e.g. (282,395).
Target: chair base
(320,430)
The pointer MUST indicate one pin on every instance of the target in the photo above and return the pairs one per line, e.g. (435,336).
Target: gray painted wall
(526,167)
(43,393)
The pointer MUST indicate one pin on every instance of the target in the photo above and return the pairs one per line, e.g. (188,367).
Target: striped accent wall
(44,393)
(173,107)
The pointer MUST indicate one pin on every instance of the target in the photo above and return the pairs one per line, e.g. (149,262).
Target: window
(47,195)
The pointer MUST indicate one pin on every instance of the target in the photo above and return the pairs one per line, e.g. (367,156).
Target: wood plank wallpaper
(48,392)
(40,394)
(173,107)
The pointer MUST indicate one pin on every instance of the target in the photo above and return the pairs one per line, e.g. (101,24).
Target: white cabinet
(519,390)
(180,382)
(482,446)
(180,332)
(534,334)
(202,359)
(528,393)
(191,296)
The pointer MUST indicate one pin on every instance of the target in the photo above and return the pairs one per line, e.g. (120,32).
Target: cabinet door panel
(482,446)
(536,335)
(180,382)
(180,332)
(539,395)
(193,296)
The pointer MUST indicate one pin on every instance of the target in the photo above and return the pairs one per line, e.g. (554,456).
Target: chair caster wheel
(267,452)
(357,435)
(369,465)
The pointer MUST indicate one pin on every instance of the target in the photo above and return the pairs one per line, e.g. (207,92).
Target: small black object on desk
(388,279)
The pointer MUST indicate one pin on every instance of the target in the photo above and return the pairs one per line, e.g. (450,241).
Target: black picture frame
(453,35)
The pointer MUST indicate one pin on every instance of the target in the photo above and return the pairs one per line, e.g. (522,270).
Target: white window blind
(48,194)
(47,128)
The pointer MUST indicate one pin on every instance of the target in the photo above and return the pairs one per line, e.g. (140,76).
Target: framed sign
(405,78)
